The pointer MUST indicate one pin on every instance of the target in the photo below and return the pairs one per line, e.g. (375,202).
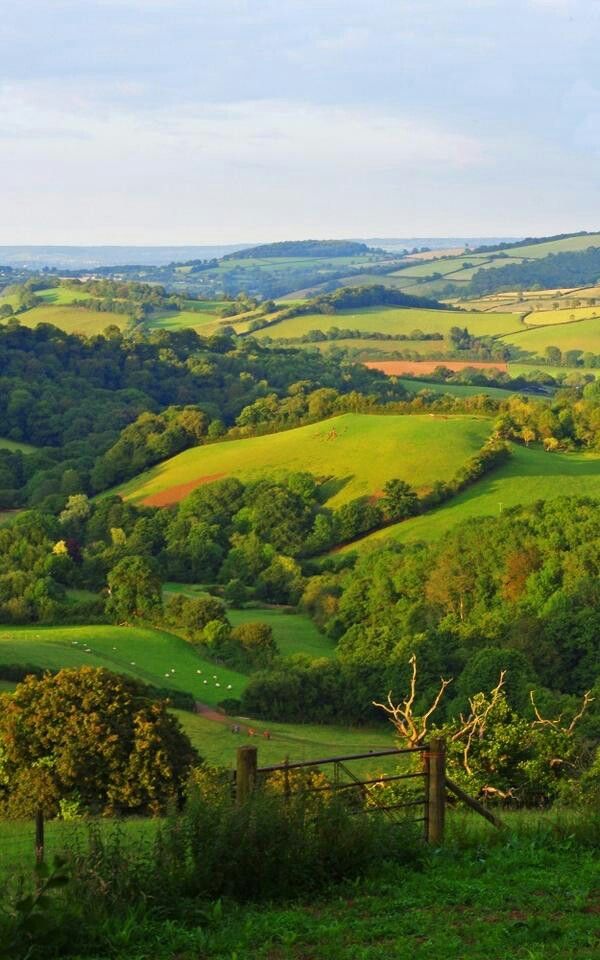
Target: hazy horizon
(127,121)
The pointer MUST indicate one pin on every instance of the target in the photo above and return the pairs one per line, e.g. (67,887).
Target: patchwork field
(73,319)
(530,475)
(580,335)
(564,315)
(394,320)
(353,455)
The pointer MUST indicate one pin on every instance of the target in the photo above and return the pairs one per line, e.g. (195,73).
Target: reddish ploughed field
(397,367)
(166,498)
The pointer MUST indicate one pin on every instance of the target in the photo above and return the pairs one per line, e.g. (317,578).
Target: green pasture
(73,319)
(217,744)
(353,455)
(537,250)
(443,265)
(562,315)
(365,349)
(526,369)
(454,389)
(153,656)
(16,445)
(293,632)
(578,335)
(62,296)
(394,320)
(530,475)
(181,320)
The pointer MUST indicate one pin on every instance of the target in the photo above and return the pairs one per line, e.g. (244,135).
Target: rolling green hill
(352,454)
(530,475)
(575,335)
(395,320)
(153,656)
(73,319)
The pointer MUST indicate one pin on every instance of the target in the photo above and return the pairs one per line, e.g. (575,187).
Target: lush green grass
(366,349)
(454,389)
(580,335)
(140,652)
(73,319)
(564,315)
(524,369)
(62,295)
(293,632)
(394,320)
(353,454)
(217,744)
(530,475)
(14,445)
(529,892)
(182,319)
(537,250)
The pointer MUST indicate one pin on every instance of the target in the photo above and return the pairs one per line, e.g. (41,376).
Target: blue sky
(189,121)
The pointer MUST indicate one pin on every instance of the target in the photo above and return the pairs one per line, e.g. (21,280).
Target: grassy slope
(395,320)
(371,349)
(14,445)
(530,475)
(455,389)
(293,632)
(565,315)
(580,335)
(359,451)
(73,319)
(517,369)
(217,744)
(153,653)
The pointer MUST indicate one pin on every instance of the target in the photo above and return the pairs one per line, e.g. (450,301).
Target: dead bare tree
(474,725)
(556,724)
(413,729)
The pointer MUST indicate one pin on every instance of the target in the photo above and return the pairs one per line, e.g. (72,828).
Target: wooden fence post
(39,836)
(245,778)
(435,782)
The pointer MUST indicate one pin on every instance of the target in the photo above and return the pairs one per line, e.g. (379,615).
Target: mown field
(73,319)
(394,320)
(563,315)
(579,335)
(353,455)
(530,475)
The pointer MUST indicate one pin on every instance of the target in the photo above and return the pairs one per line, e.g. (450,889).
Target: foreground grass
(530,892)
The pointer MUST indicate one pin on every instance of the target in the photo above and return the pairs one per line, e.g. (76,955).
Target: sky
(223,121)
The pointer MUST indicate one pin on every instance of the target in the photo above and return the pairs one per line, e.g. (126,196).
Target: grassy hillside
(394,320)
(530,475)
(73,319)
(153,656)
(563,315)
(353,455)
(14,445)
(293,632)
(579,335)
